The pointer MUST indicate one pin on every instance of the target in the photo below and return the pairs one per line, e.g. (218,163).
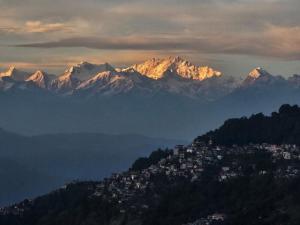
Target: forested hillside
(280,127)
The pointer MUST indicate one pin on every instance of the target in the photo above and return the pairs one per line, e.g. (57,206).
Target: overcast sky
(233,36)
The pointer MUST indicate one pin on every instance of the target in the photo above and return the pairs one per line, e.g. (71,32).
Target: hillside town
(136,190)
(190,163)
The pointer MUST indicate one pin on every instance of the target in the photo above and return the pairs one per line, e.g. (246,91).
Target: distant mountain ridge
(160,98)
(33,165)
(171,75)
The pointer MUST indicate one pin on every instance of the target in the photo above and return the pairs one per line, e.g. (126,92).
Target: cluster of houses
(214,219)
(189,163)
(15,210)
(128,189)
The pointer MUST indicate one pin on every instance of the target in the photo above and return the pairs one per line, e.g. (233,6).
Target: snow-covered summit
(109,83)
(258,72)
(85,70)
(41,79)
(158,68)
(75,75)
(261,78)
(15,74)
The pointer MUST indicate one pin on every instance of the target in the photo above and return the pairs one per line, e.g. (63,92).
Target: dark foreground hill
(208,185)
(30,166)
(281,127)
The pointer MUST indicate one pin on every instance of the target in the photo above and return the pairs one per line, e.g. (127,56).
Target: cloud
(40,27)
(110,43)
(243,29)
(273,41)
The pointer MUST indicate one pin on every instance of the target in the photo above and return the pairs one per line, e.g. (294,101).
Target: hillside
(197,184)
(280,127)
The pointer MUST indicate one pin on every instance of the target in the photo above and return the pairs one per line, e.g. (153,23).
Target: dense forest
(280,127)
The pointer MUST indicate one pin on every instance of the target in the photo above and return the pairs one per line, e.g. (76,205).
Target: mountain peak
(41,79)
(177,59)
(11,69)
(78,73)
(85,70)
(84,63)
(156,68)
(8,72)
(37,74)
(40,72)
(258,72)
(260,76)
(15,74)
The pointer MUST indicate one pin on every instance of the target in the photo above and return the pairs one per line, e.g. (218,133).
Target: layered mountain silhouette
(161,97)
(30,166)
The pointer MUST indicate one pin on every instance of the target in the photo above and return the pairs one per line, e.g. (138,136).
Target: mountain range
(161,97)
(171,75)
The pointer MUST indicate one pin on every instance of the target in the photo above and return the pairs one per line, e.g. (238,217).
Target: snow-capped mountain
(76,74)
(170,76)
(177,76)
(130,80)
(159,68)
(64,83)
(15,74)
(84,70)
(161,97)
(14,79)
(111,83)
(261,90)
(106,83)
(258,72)
(41,79)
(261,77)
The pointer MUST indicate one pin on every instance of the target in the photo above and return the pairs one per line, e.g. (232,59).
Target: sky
(233,36)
